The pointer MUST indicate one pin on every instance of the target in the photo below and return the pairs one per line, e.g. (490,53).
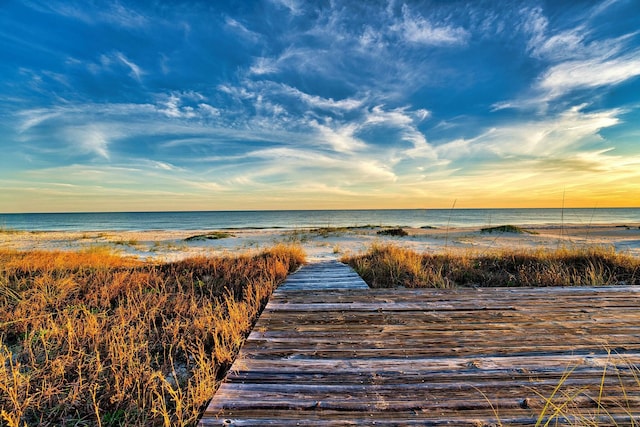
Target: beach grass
(214,235)
(93,338)
(506,229)
(386,265)
(397,232)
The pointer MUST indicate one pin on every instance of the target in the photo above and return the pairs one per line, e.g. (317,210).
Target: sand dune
(324,243)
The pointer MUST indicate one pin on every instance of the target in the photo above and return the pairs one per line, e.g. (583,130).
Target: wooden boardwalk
(329,351)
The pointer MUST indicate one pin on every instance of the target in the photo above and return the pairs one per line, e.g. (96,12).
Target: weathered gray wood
(322,276)
(329,351)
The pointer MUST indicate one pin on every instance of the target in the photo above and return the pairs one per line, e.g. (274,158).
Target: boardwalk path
(329,351)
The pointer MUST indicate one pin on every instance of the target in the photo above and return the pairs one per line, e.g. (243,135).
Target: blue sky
(286,104)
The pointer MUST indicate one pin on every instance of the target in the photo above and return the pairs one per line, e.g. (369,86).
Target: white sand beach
(325,243)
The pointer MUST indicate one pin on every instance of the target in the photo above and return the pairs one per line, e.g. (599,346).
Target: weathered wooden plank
(476,376)
(409,418)
(324,355)
(529,362)
(464,294)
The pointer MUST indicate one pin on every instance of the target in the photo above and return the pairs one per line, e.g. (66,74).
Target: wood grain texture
(329,351)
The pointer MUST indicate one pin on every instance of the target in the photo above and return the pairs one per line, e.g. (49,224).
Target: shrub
(393,232)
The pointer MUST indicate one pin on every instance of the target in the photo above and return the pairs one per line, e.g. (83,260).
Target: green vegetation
(130,242)
(506,229)
(398,232)
(386,266)
(328,231)
(92,338)
(214,235)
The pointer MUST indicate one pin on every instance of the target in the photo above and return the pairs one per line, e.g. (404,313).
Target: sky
(289,104)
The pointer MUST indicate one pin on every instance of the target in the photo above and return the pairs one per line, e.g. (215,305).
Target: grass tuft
(390,266)
(506,229)
(214,235)
(92,338)
(612,401)
(399,232)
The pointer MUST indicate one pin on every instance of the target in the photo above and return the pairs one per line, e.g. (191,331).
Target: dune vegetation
(93,338)
(385,266)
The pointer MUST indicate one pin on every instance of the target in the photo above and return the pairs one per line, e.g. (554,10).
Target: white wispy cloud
(576,43)
(316,101)
(165,166)
(263,65)
(209,110)
(34,117)
(136,71)
(567,76)
(574,58)
(111,12)
(567,135)
(340,138)
(90,139)
(173,108)
(241,30)
(305,165)
(417,29)
(404,120)
(394,117)
(110,62)
(295,7)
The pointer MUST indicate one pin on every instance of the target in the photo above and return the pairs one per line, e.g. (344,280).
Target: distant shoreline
(290,219)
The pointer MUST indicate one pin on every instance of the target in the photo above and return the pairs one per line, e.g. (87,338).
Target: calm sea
(314,218)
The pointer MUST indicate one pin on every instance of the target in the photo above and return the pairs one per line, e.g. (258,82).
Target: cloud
(571,135)
(416,29)
(33,118)
(209,110)
(340,138)
(109,63)
(305,165)
(405,121)
(573,59)
(263,65)
(172,108)
(187,105)
(394,117)
(109,12)
(162,165)
(241,30)
(136,71)
(567,76)
(575,43)
(321,102)
(89,139)
(294,6)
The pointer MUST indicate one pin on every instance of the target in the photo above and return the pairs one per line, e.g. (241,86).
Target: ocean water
(313,218)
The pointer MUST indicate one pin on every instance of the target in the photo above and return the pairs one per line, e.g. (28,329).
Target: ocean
(291,219)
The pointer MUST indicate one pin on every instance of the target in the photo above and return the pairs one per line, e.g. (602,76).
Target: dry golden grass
(390,266)
(613,401)
(91,338)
